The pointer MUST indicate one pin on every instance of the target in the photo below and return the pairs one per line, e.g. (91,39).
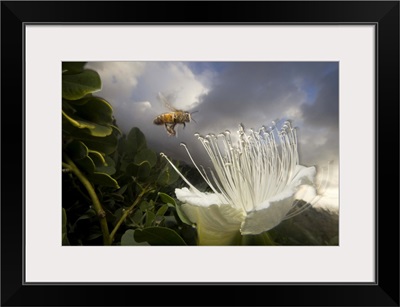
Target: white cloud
(118,78)
(225,95)
(132,88)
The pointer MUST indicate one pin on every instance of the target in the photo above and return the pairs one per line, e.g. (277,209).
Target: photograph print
(200,153)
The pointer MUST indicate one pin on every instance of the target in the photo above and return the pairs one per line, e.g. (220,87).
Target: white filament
(260,166)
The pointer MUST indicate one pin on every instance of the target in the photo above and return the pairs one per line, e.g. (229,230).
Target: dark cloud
(321,121)
(258,92)
(226,94)
(324,112)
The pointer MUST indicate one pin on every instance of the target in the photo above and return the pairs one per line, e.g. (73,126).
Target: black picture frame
(383,14)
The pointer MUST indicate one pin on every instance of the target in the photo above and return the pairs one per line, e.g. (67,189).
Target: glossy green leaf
(97,158)
(77,150)
(128,239)
(166,199)
(145,206)
(88,127)
(131,169)
(144,170)
(105,145)
(146,155)
(122,190)
(136,141)
(117,215)
(140,171)
(93,109)
(94,235)
(76,86)
(117,197)
(67,107)
(137,216)
(162,210)
(104,180)
(158,236)
(72,67)
(182,216)
(167,176)
(108,167)
(109,170)
(90,213)
(86,164)
(150,216)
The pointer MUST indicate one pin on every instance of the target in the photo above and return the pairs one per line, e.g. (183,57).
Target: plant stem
(101,214)
(127,212)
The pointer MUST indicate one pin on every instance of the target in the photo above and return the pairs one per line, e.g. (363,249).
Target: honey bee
(171,119)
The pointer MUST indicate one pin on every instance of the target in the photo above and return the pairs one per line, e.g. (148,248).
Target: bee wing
(165,102)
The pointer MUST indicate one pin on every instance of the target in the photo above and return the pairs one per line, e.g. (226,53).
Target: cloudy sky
(225,94)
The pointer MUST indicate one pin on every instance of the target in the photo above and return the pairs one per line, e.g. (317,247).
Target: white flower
(255,184)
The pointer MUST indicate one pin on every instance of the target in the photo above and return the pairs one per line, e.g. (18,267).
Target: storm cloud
(225,94)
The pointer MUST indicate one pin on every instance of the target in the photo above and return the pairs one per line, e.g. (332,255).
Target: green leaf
(128,239)
(76,86)
(90,213)
(150,216)
(131,169)
(88,127)
(97,158)
(166,199)
(182,216)
(104,180)
(137,217)
(136,141)
(144,170)
(167,176)
(108,167)
(117,215)
(161,211)
(94,235)
(86,164)
(77,150)
(72,67)
(64,239)
(146,155)
(105,145)
(93,109)
(158,236)
(145,205)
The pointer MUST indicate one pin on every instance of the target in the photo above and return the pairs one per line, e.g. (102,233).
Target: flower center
(258,167)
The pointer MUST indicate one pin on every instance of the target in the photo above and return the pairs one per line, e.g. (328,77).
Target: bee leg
(170,129)
(184,125)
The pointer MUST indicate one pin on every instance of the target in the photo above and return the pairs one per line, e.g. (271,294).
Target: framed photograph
(233,152)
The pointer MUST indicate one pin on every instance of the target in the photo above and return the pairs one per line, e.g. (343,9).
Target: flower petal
(270,213)
(303,175)
(217,223)
(197,198)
